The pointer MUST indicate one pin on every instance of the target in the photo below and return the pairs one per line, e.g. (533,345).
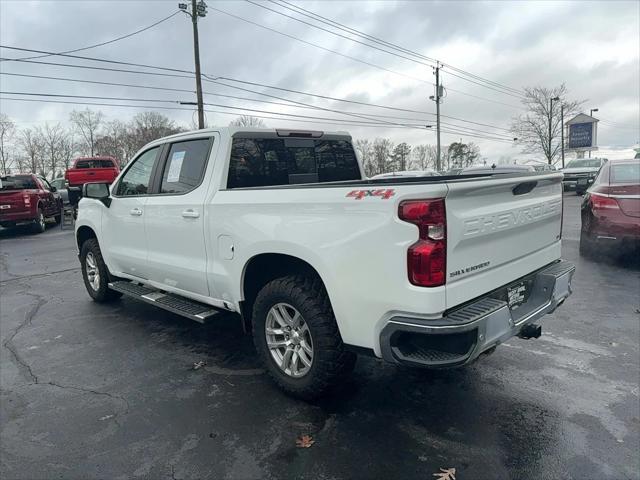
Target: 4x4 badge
(384,193)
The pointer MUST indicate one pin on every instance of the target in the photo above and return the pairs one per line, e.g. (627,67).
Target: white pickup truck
(320,263)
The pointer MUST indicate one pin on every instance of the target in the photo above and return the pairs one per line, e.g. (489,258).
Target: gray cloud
(588,45)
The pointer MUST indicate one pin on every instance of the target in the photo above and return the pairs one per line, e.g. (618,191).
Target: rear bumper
(17,217)
(464,333)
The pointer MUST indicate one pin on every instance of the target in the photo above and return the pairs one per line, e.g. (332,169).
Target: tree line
(49,150)
(382,156)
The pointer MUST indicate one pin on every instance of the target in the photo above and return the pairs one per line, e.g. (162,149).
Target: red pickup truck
(92,170)
(28,198)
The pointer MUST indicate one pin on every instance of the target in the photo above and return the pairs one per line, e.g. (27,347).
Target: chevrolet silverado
(320,263)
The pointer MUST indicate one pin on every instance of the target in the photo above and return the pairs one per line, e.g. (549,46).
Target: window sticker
(175,167)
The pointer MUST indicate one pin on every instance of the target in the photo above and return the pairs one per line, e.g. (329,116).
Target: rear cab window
(263,162)
(92,163)
(18,182)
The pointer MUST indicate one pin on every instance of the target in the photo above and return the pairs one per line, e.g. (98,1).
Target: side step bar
(197,311)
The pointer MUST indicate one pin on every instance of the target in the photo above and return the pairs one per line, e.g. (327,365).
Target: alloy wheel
(289,340)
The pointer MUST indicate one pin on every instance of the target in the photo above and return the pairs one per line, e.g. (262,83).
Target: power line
(508,91)
(319,46)
(343,27)
(421,120)
(172,75)
(97,44)
(353,58)
(336,122)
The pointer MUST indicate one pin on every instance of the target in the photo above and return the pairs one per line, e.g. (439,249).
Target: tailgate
(500,229)
(12,201)
(79,176)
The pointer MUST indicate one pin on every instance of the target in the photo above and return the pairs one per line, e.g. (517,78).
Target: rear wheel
(58,217)
(586,245)
(39,224)
(296,335)
(95,273)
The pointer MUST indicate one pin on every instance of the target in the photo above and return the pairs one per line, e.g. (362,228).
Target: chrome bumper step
(196,311)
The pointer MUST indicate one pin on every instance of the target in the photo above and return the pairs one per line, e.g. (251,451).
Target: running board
(197,311)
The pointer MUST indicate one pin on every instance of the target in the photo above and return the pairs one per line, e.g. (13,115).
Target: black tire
(586,245)
(100,292)
(39,225)
(331,361)
(58,217)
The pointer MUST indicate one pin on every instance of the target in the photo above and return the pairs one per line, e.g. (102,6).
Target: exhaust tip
(530,331)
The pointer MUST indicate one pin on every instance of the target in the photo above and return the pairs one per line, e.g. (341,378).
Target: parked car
(579,173)
(60,185)
(543,167)
(497,169)
(611,209)
(407,173)
(28,199)
(282,227)
(92,169)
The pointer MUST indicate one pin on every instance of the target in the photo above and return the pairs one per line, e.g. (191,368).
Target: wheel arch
(264,267)
(83,234)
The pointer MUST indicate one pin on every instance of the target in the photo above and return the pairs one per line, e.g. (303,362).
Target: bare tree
(532,128)
(247,121)
(382,148)
(87,124)
(7,132)
(117,142)
(149,126)
(365,149)
(53,141)
(32,144)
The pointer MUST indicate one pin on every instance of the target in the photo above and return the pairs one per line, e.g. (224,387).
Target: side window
(185,166)
(137,178)
(45,183)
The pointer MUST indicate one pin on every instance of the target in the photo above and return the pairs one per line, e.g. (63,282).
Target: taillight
(601,202)
(427,258)
(27,200)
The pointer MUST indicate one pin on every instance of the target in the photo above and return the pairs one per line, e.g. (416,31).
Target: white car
(282,228)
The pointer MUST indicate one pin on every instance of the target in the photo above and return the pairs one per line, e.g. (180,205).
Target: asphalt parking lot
(108,391)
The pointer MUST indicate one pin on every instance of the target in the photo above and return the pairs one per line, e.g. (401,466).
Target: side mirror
(98,191)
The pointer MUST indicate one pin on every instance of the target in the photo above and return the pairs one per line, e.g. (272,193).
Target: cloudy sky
(593,47)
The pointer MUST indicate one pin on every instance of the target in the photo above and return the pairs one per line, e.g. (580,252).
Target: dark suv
(29,199)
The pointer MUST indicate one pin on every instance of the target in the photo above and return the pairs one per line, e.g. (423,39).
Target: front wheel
(296,335)
(95,273)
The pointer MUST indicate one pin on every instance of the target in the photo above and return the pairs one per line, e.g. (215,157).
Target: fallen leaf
(198,365)
(305,441)
(106,417)
(446,474)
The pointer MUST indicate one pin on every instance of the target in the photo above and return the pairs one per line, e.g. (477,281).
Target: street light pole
(562,131)
(554,99)
(198,9)
(436,98)
(591,115)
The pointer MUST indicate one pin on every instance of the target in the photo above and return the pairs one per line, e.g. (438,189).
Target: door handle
(190,213)
(136,211)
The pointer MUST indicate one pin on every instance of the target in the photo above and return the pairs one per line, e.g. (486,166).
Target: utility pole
(438,115)
(591,115)
(554,99)
(562,131)
(198,9)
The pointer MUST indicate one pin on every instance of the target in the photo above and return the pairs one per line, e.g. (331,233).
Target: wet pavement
(108,391)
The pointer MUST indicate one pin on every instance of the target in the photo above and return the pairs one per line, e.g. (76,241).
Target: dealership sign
(582,133)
